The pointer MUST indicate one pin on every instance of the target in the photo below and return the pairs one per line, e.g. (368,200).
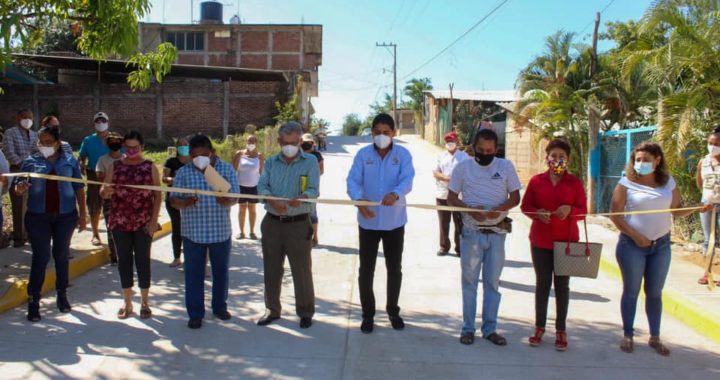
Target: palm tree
(684,67)
(414,89)
(555,88)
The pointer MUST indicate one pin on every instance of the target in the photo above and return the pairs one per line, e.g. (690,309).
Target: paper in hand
(215,180)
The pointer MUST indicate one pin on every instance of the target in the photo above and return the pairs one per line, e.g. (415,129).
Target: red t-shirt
(542,194)
(52,196)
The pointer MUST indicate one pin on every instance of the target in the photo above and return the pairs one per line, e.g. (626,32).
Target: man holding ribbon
(490,185)
(286,229)
(206,227)
(381,172)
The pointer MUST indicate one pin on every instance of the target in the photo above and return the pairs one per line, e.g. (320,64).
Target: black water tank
(211,12)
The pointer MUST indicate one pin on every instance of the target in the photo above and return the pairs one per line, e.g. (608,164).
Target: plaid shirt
(19,146)
(207,222)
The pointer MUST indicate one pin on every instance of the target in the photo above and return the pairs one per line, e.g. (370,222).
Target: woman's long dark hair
(661,173)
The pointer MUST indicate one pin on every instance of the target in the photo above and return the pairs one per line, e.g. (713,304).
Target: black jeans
(176,229)
(444,221)
(106,205)
(393,242)
(133,246)
(543,262)
(49,234)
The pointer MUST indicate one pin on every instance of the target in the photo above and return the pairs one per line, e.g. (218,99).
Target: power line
(601,12)
(441,52)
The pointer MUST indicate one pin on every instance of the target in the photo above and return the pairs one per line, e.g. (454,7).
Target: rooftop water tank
(211,12)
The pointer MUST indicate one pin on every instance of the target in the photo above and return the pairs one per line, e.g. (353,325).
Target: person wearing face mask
(172,165)
(491,185)
(51,217)
(443,171)
(554,200)
(381,172)
(133,219)
(19,143)
(92,148)
(286,229)
(206,230)
(643,248)
(308,146)
(104,165)
(249,165)
(708,181)
(53,122)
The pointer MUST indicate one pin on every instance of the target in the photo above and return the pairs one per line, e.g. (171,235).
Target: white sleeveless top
(710,175)
(248,171)
(642,198)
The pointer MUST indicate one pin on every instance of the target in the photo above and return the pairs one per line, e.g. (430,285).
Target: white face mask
(382,141)
(451,146)
(201,162)
(290,151)
(26,123)
(101,127)
(251,147)
(47,151)
(713,150)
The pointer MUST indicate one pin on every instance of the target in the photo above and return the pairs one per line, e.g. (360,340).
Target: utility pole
(593,130)
(394,54)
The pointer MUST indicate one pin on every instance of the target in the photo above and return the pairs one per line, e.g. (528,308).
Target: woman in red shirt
(554,200)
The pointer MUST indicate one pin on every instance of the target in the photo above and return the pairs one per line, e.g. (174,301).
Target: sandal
(96,241)
(253,236)
(145,312)
(703,280)
(536,339)
(176,263)
(467,338)
(124,312)
(497,339)
(659,347)
(627,345)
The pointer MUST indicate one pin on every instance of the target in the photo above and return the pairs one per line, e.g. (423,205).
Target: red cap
(451,136)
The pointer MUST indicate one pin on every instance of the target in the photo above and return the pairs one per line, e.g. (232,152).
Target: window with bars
(186,41)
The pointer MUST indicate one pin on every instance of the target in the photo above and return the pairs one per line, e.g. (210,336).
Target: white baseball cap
(307,137)
(101,115)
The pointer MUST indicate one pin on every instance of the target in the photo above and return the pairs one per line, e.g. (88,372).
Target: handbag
(577,259)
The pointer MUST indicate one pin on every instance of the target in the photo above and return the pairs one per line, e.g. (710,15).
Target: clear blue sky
(490,57)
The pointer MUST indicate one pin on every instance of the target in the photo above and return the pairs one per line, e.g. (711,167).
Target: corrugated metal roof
(484,96)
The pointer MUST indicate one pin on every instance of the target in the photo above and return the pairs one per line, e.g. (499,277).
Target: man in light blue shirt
(381,172)
(92,148)
(286,229)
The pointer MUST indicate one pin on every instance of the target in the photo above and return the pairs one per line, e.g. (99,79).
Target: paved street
(91,343)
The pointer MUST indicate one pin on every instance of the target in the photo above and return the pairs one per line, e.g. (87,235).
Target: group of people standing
(555,201)
(382,172)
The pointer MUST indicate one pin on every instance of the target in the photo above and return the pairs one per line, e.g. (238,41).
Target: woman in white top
(708,181)
(643,248)
(249,165)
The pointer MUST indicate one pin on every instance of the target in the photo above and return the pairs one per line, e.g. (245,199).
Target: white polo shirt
(446,163)
(486,186)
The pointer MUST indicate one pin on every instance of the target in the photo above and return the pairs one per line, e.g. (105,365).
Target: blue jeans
(195,254)
(49,234)
(652,264)
(486,252)
(705,221)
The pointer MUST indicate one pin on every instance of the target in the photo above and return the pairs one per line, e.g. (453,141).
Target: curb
(17,294)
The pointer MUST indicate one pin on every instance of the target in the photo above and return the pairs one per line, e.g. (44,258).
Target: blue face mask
(643,168)
(183,150)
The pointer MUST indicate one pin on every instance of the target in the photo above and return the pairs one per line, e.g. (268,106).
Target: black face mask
(306,146)
(115,146)
(484,159)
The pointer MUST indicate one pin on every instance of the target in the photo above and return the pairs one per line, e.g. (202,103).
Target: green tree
(287,111)
(352,124)
(103,29)
(414,89)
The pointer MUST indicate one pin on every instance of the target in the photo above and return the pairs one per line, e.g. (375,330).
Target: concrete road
(91,343)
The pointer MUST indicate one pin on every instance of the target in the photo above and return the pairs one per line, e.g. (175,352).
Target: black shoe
(33,314)
(223,315)
(62,303)
(442,253)
(18,243)
(113,261)
(267,319)
(305,322)
(496,339)
(366,326)
(397,322)
(195,323)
